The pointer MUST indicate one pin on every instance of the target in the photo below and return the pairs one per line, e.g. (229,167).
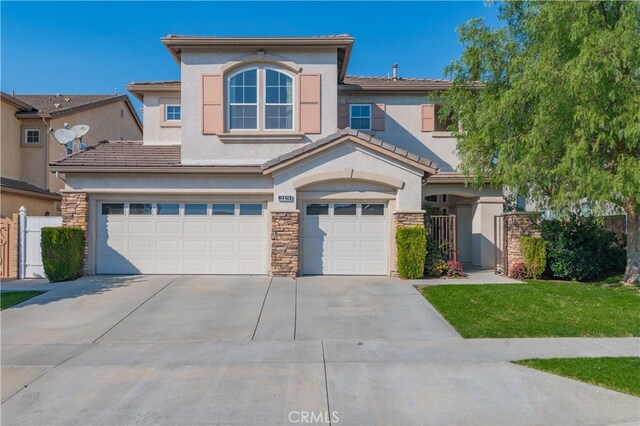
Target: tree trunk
(632,272)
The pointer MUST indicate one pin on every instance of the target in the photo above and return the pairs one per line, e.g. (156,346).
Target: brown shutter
(378,113)
(212,104)
(309,106)
(343,116)
(428,117)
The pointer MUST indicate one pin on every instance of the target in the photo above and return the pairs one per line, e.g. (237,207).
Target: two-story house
(265,158)
(27,145)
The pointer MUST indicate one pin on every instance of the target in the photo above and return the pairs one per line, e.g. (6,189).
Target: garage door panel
(374,266)
(198,228)
(142,246)
(345,266)
(344,246)
(189,244)
(345,228)
(372,227)
(371,246)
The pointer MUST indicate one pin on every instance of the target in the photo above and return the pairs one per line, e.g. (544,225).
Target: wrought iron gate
(442,230)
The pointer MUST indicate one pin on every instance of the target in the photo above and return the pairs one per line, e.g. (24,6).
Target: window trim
(23,137)
(228,103)
(370,116)
(261,96)
(166,113)
(263,105)
(163,104)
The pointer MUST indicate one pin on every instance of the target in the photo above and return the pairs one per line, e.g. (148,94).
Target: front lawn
(620,374)
(10,298)
(539,309)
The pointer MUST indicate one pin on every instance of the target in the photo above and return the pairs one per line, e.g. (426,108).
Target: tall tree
(549,104)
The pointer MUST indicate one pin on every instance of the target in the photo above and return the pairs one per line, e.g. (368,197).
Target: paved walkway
(185,350)
(41,284)
(474,276)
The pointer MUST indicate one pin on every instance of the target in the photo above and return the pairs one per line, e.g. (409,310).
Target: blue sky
(96,47)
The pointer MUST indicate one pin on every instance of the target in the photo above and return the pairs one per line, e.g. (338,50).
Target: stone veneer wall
(518,225)
(75,212)
(13,248)
(285,227)
(404,220)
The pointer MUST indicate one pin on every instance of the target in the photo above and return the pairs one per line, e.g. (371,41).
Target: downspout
(46,153)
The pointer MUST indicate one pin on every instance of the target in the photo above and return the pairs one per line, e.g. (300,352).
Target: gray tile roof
(135,155)
(24,186)
(358,134)
(47,103)
(352,82)
(123,154)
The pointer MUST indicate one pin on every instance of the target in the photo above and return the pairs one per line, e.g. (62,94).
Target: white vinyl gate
(30,253)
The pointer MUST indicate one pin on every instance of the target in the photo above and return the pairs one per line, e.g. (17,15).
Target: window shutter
(309,105)
(212,104)
(428,117)
(343,116)
(378,114)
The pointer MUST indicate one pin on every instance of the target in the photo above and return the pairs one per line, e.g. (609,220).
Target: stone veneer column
(285,227)
(75,212)
(518,225)
(404,220)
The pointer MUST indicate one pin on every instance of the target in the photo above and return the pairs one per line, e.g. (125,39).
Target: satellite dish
(64,136)
(80,130)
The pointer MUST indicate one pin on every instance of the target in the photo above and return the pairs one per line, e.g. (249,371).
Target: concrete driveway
(256,350)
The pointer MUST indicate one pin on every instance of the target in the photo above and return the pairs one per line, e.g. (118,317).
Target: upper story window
(32,136)
(360,116)
(260,98)
(173,113)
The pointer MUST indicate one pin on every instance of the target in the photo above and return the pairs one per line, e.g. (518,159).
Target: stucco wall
(208,149)
(351,156)
(10,137)
(403,125)
(11,203)
(155,133)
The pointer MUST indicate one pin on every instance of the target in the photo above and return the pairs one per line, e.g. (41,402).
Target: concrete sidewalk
(40,284)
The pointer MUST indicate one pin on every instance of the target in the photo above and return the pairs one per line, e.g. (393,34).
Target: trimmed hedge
(62,252)
(534,251)
(411,243)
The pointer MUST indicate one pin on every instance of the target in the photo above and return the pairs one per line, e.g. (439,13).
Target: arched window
(243,100)
(260,99)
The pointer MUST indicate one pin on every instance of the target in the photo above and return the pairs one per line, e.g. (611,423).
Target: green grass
(620,374)
(539,309)
(10,298)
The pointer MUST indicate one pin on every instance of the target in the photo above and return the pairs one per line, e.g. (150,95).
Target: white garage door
(181,238)
(345,239)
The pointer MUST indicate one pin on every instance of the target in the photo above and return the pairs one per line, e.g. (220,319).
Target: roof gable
(350,135)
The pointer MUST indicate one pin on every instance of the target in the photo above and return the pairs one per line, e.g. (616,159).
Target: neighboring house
(267,158)
(28,146)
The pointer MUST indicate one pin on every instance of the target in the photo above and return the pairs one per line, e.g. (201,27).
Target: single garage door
(181,238)
(345,239)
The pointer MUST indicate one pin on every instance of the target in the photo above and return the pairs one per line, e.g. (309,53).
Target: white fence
(29,241)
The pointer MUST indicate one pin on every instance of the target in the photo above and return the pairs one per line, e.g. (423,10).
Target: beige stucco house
(27,146)
(266,158)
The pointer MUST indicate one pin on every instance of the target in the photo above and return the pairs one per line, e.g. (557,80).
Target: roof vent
(67,99)
(56,105)
(395,72)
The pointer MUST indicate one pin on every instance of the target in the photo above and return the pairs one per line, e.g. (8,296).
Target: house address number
(285,198)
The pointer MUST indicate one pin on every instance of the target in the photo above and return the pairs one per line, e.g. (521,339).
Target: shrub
(435,263)
(412,251)
(62,252)
(518,271)
(438,269)
(455,269)
(534,251)
(579,248)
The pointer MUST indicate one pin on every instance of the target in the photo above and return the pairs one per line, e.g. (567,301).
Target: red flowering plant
(455,269)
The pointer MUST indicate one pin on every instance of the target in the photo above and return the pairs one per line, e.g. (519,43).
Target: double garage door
(181,238)
(233,238)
